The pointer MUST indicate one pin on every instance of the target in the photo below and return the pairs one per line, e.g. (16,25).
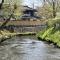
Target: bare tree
(49,8)
(54,9)
(1,4)
(54,4)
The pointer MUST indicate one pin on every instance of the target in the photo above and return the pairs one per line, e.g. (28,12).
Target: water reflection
(28,48)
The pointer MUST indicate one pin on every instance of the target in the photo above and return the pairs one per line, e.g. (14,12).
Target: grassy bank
(5,34)
(52,33)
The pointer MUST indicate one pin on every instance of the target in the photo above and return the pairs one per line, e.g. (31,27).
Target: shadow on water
(27,48)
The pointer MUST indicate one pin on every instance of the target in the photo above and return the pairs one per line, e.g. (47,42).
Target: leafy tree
(9,9)
(49,8)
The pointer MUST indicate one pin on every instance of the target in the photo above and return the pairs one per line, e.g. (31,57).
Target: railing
(25,26)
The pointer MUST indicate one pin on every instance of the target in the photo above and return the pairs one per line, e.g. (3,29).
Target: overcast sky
(28,2)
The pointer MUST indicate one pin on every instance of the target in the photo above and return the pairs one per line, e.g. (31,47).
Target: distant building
(22,12)
(29,13)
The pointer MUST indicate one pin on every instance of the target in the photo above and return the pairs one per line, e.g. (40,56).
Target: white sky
(27,2)
(0,1)
(30,2)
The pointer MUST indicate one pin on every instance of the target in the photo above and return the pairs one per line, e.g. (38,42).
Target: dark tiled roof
(28,8)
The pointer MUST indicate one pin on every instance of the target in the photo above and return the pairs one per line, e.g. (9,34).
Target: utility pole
(33,4)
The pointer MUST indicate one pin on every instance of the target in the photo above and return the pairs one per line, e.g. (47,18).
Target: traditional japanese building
(29,13)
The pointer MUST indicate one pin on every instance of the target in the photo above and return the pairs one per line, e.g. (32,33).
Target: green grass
(49,36)
(52,33)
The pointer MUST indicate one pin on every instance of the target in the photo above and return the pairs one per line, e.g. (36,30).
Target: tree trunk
(54,10)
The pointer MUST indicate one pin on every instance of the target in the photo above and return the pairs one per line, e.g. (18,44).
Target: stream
(28,48)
